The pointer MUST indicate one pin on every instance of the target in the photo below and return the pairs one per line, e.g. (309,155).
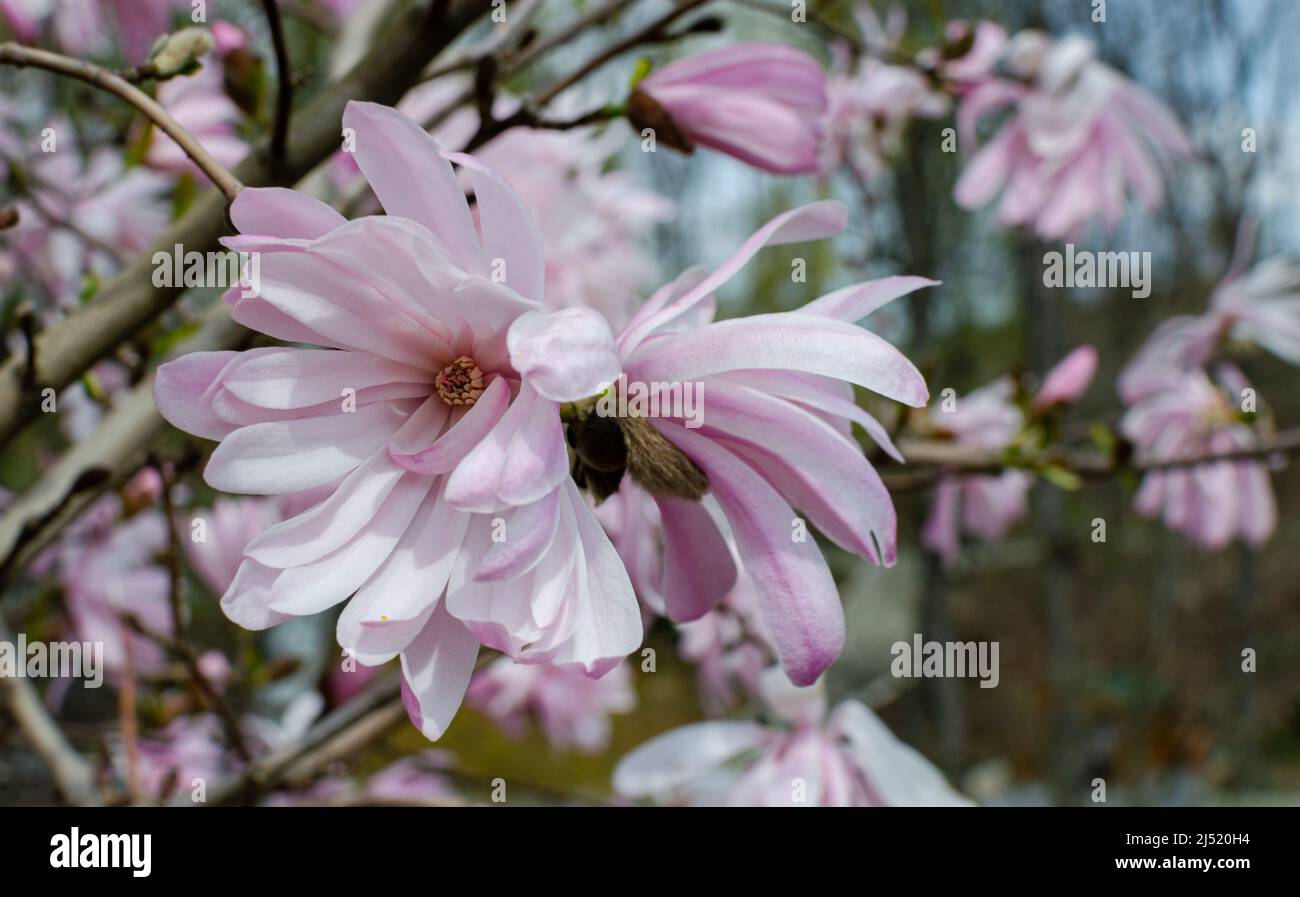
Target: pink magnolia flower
(84,216)
(1188,415)
(24,17)
(1066,383)
(107,569)
(870,109)
(848,760)
(1260,307)
(430,414)
(190,748)
(199,104)
(987,45)
(777,411)
(762,103)
(986,506)
(572,710)
(416,779)
(226,530)
(1080,136)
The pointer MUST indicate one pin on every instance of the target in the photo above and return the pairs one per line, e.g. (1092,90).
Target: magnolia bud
(179,53)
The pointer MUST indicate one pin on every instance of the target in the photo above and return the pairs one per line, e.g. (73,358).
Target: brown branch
(284,81)
(937,459)
(116,451)
(102,78)
(183,651)
(72,774)
(266,774)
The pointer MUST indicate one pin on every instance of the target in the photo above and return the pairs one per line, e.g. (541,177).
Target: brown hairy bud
(658,465)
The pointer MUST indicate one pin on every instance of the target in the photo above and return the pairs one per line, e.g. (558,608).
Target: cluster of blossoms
(1184,404)
(988,505)
(1079,135)
(455,430)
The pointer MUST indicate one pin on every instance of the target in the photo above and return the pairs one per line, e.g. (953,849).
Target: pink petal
(782,341)
(813,221)
(852,304)
(322,584)
(461,438)
(797,598)
(565,355)
(510,232)
(698,571)
(519,461)
(298,378)
(279,212)
(405,168)
(183,389)
(436,670)
(528,532)
(293,455)
(677,758)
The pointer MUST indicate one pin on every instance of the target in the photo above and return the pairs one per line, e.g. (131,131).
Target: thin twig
(127,723)
(29,324)
(73,776)
(102,78)
(183,651)
(266,774)
(650,32)
(284,81)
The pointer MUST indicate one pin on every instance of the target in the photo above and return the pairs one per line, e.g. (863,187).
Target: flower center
(460,383)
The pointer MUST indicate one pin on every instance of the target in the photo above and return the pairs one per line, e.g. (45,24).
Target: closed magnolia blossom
(1184,415)
(1079,138)
(773,429)
(1066,383)
(571,709)
(429,415)
(764,104)
(985,505)
(849,759)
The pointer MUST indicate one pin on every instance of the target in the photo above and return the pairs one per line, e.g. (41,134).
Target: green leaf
(1060,477)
